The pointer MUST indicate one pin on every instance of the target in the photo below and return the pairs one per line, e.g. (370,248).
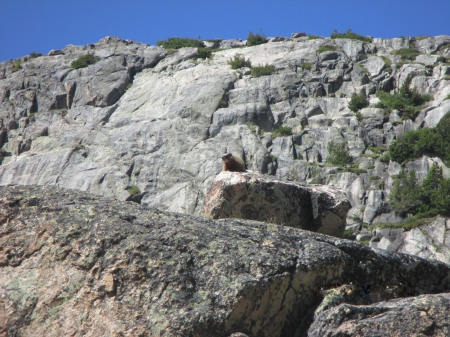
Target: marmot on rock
(233,163)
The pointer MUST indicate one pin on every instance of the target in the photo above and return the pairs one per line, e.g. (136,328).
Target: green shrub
(314,37)
(35,54)
(222,104)
(204,53)
(430,198)
(348,234)
(358,116)
(306,65)
(133,190)
(406,53)
(180,42)
(408,102)
(239,61)
(17,66)
(262,70)
(415,143)
(337,154)
(388,64)
(447,78)
(350,35)
(84,61)
(129,85)
(282,131)
(255,39)
(357,102)
(326,47)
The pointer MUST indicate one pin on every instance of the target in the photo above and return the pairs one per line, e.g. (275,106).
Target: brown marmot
(233,163)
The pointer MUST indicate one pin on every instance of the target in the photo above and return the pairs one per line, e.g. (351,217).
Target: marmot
(233,163)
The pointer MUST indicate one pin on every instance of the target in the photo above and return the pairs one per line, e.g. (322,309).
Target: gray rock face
(256,197)
(140,118)
(77,262)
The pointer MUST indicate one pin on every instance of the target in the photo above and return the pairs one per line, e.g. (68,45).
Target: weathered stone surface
(71,262)
(425,315)
(256,197)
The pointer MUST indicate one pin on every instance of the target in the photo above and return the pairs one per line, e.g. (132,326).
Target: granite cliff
(154,122)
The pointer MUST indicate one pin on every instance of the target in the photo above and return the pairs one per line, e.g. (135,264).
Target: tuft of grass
(180,42)
(350,35)
(239,61)
(446,78)
(35,54)
(314,37)
(306,65)
(84,61)
(406,54)
(17,66)
(255,39)
(388,64)
(204,53)
(326,47)
(408,224)
(129,85)
(222,104)
(262,70)
(133,190)
(446,98)
(357,102)
(282,131)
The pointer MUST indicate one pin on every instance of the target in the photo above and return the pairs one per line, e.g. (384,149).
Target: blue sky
(31,25)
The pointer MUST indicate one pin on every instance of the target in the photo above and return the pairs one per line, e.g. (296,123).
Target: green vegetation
(239,61)
(350,35)
(204,53)
(355,170)
(84,61)
(388,64)
(306,65)
(357,102)
(407,101)
(262,70)
(180,42)
(406,53)
(17,66)
(326,47)
(314,37)
(348,234)
(255,39)
(282,131)
(430,198)
(417,142)
(35,54)
(422,37)
(446,98)
(222,104)
(447,78)
(358,116)
(408,224)
(129,85)
(133,190)
(337,154)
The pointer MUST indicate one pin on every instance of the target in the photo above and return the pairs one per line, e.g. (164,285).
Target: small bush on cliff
(204,53)
(408,102)
(133,190)
(350,35)
(357,102)
(180,42)
(84,61)
(326,48)
(239,61)
(16,66)
(337,154)
(255,39)
(406,53)
(282,131)
(430,198)
(35,54)
(262,70)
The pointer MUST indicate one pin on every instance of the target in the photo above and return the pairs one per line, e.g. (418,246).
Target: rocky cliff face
(88,129)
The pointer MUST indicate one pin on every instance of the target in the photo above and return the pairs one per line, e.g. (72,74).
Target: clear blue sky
(42,25)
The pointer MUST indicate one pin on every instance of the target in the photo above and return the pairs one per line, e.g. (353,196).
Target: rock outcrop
(75,264)
(321,209)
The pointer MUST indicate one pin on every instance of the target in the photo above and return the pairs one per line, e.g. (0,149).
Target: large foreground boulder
(75,264)
(254,196)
